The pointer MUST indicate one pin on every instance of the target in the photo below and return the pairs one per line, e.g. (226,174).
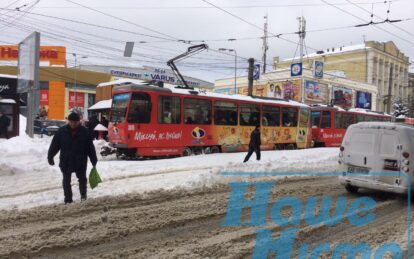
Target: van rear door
(361,152)
(389,155)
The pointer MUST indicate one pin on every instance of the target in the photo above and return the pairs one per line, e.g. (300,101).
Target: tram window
(326,120)
(197,111)
(370,118)
(140,108)
(169,110)
(347,119)
(270,115)
(119,107)
(225,113)
(289,117)
(361,118)
(249,115)
(338,118)
(316,118)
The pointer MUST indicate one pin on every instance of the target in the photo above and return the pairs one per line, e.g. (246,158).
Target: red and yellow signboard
(56,55)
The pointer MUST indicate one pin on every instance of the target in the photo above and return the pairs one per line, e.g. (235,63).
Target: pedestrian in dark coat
(254,145)
(93,122)
(4,125)
(75,145)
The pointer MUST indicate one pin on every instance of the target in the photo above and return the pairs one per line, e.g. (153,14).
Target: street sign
(256,72)
(296,69)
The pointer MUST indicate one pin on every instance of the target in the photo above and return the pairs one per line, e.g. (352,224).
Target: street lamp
(235,66)
(74,89)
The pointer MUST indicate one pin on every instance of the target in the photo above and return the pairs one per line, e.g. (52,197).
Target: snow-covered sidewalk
(26,179)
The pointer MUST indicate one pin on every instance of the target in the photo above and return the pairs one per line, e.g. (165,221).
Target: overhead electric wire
(93,25)
(375,25)
(206,7)
(395,26)
(277,36)
(120,19)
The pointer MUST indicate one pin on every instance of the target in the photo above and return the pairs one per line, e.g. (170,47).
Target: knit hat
(74,117)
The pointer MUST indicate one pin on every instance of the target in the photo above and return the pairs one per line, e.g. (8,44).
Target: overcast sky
(103,27)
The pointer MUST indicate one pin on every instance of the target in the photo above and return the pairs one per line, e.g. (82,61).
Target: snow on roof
(328,106)
(100,127)
(359,110)
(121,81)
(104,104)
(335,51)
(236,97)
(383,124)
(7,101)
(8,76)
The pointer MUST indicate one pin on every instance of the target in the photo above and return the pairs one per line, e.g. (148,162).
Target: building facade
(329,90)
(147,73)
(378,63)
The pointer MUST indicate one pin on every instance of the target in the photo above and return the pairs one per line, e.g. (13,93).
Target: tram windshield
(119,107)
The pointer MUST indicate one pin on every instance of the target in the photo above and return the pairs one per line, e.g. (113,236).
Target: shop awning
(101,105)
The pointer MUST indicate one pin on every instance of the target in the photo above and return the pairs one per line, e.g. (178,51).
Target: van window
(326,120)
(362,142)
(388,145)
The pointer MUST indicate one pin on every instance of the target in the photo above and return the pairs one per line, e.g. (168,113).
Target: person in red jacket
(75,145)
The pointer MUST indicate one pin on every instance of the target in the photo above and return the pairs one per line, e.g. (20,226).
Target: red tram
(148,121)
(329,124)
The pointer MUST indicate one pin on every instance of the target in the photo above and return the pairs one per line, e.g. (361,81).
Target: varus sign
(56,55)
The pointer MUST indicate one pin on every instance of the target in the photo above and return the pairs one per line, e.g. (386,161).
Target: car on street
(47,127)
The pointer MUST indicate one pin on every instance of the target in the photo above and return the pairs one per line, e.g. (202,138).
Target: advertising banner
(363,100)
(289,89)
(44,97)
(318,69)
(342,96)
(316,92)
(296,69)
(76,99)
(259,90)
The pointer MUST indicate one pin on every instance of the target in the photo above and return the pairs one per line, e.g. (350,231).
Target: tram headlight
(405,168)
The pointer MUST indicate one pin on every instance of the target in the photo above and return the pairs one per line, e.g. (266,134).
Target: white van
(379,156)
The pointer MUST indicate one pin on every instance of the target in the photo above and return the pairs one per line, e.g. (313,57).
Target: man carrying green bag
(75,145)
(94,178)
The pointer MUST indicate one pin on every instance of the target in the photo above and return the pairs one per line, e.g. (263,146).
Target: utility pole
(250,77)
(389,90)
(265,46)
(302,34)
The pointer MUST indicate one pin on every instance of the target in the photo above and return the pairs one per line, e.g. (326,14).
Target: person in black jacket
(93,122)
(75,145)
(4,125)
(254,145)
